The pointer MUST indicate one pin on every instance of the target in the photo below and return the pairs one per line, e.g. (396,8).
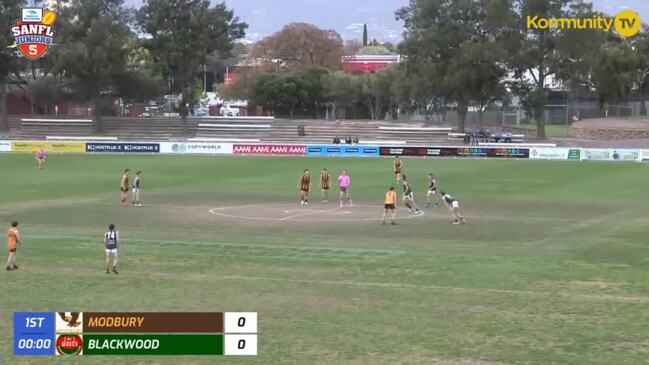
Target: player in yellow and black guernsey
(431,194)
(397,167)
(325,185)
(304,184)
(408,196)
(124,187)
(112,243)
(137,184)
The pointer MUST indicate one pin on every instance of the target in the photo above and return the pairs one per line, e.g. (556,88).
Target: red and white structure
(368,63)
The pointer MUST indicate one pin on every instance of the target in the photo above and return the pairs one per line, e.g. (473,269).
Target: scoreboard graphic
(129,333)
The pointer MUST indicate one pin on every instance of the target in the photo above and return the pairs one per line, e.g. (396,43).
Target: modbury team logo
(626,23)
(33,33)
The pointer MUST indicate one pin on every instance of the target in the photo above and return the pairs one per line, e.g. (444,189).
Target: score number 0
(240,333)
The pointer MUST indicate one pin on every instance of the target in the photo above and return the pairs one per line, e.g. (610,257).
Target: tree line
(457,55)
(103,48)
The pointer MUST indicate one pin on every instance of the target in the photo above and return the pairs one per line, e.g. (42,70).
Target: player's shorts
(343,189)
(136,190)
(111,251)
(432,191)
(408,196)
(324,187)
(12,249)
(397,171)
(455,204)
(390,206)
(123,189)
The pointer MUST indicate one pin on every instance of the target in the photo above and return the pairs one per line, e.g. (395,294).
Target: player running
(390,204)
(13,240)
(325,184)
(124,187)
(454,207)
(408,195)
(431,195)
(304,185)
(397,167)
(40,158)
(112,243)
(137,183)
(344,181)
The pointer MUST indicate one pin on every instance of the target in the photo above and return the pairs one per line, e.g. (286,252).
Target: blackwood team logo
(33,32)
(69,345)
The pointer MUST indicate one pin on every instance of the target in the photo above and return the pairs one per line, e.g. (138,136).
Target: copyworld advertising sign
(197,148)
(626,23)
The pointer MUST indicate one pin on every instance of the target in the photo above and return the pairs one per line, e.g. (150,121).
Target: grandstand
(248,129)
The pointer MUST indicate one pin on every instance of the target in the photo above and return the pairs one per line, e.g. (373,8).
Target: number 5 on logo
(33,50)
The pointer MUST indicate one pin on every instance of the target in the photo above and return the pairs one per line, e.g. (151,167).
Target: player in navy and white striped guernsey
(454,207)
(111,241)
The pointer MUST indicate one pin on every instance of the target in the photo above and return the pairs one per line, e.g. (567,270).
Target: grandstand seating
(243,129)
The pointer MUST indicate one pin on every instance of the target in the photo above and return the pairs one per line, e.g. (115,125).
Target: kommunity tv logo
(626,23)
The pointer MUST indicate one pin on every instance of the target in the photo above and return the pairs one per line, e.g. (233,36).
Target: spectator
(508,137)
(355,140)
(336,140)
(348,140)
(467,137)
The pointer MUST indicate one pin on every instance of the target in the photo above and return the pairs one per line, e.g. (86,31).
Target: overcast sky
(347,16)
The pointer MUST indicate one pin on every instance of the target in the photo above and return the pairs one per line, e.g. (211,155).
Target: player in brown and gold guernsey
(397,167)
(124,187)
(325,184)
(304,185)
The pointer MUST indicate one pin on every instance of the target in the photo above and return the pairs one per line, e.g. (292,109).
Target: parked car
(228,111)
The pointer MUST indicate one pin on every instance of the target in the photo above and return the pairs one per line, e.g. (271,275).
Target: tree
(340,90)
(539,56)
(9,12)
(614,72)
(301,45)
(365,35)
(375,91)
(314,84)
(351,47)
(438,41)
(641,48)
(91,55)
(374,50)
(183,33)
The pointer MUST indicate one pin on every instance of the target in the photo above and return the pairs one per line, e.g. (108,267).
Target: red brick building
(368,63)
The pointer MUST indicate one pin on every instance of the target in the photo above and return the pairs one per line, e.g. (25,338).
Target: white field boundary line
(366,284)
(296,218)
(306,214)
(235,245)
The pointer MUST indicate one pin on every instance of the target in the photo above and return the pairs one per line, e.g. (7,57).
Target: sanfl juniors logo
(33,33)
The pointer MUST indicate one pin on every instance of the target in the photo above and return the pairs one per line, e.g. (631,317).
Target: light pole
(204,78)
